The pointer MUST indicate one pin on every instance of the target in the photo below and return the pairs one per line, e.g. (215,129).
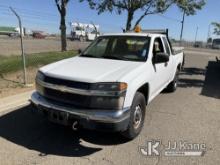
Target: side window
(166,45)
(158,46)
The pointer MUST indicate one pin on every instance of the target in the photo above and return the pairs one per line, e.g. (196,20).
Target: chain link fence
(38,52)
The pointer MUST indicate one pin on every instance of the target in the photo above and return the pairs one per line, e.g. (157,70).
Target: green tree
(61,6)
(216,28)
(189,7)
(147,7)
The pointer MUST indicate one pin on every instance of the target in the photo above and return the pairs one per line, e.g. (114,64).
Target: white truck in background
(10,31)
(84,32)
(108,85)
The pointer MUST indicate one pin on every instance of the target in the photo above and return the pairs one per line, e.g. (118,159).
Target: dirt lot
(12,46)
(190,114)
(11,84)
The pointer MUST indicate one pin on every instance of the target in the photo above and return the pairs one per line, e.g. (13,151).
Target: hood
(86,69)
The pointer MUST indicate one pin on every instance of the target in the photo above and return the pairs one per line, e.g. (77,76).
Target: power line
(3,6)
(40,16)
(169,18)
(31,18)
(40,13)
(30,11)
(27,16)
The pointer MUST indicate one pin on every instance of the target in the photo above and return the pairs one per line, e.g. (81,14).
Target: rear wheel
(137,116)
(81,38)
(174,84)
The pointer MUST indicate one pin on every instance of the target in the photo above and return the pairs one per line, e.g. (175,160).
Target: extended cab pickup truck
(108,85)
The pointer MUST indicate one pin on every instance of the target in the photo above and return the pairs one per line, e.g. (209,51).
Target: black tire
(133,129)
(183,64)
(81,38)
(174,84)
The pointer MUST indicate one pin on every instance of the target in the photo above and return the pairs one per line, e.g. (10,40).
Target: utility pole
(209,32)
(183,19)
(197,28)
(96,30)
(22,46)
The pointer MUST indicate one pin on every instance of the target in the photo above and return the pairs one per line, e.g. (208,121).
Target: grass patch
(14,63)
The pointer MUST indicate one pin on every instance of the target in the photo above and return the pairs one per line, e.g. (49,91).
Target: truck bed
(177,50)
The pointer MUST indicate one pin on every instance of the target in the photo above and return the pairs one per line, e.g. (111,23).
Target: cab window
(158,46)
(166,45)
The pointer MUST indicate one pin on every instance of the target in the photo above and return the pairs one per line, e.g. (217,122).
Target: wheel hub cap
(137,116)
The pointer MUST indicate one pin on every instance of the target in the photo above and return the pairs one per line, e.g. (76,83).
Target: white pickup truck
(108,85)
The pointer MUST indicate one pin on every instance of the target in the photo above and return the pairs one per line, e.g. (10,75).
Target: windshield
(131,48)
(216,41)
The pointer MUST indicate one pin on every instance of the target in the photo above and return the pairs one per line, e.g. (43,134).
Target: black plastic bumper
(103,120)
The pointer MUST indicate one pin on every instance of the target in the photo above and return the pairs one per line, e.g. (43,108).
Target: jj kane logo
(151,148)
(175,148)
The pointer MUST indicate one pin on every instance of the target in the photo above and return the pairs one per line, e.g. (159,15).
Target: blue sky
(43,15)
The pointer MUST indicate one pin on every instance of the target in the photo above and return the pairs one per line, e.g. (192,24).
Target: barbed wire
(169,18)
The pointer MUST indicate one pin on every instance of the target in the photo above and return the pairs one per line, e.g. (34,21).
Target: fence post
(22,46)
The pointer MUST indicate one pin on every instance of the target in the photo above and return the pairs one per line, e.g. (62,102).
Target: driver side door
(160,70)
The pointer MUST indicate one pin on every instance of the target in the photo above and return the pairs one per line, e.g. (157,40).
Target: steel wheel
(137,117)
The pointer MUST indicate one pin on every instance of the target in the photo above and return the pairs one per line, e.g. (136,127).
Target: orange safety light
(123,86)
(137,29)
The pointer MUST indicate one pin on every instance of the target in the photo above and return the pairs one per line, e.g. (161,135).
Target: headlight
(115,86)
(108,103)
(40,76)
(113,95)
(39,88)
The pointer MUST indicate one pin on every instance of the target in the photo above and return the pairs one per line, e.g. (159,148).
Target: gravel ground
(12,46)
(190,114)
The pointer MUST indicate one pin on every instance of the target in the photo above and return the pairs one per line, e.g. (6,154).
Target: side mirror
(161,58)
(79,51)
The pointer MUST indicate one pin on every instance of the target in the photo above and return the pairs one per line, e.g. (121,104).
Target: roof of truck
(133,34)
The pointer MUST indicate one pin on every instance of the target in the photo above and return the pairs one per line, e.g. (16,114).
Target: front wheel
(81,39)
(137,116)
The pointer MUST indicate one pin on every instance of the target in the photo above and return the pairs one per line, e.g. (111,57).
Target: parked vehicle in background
(216,43)
(39,34)
(209,43)
(198,44)
(9,31)
(84,32)
(14,31)
(108,86)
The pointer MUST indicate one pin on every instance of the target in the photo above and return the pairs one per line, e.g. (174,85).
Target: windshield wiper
(88,55)
(114,57)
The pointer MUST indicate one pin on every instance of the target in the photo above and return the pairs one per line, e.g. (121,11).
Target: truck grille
(68,83)
(76,100)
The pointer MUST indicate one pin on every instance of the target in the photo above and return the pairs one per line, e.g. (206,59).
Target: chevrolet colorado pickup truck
(108,85)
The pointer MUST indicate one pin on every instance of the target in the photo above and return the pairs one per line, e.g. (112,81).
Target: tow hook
(75,126)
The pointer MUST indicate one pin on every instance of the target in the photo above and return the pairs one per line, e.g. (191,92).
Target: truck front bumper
(104,120)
